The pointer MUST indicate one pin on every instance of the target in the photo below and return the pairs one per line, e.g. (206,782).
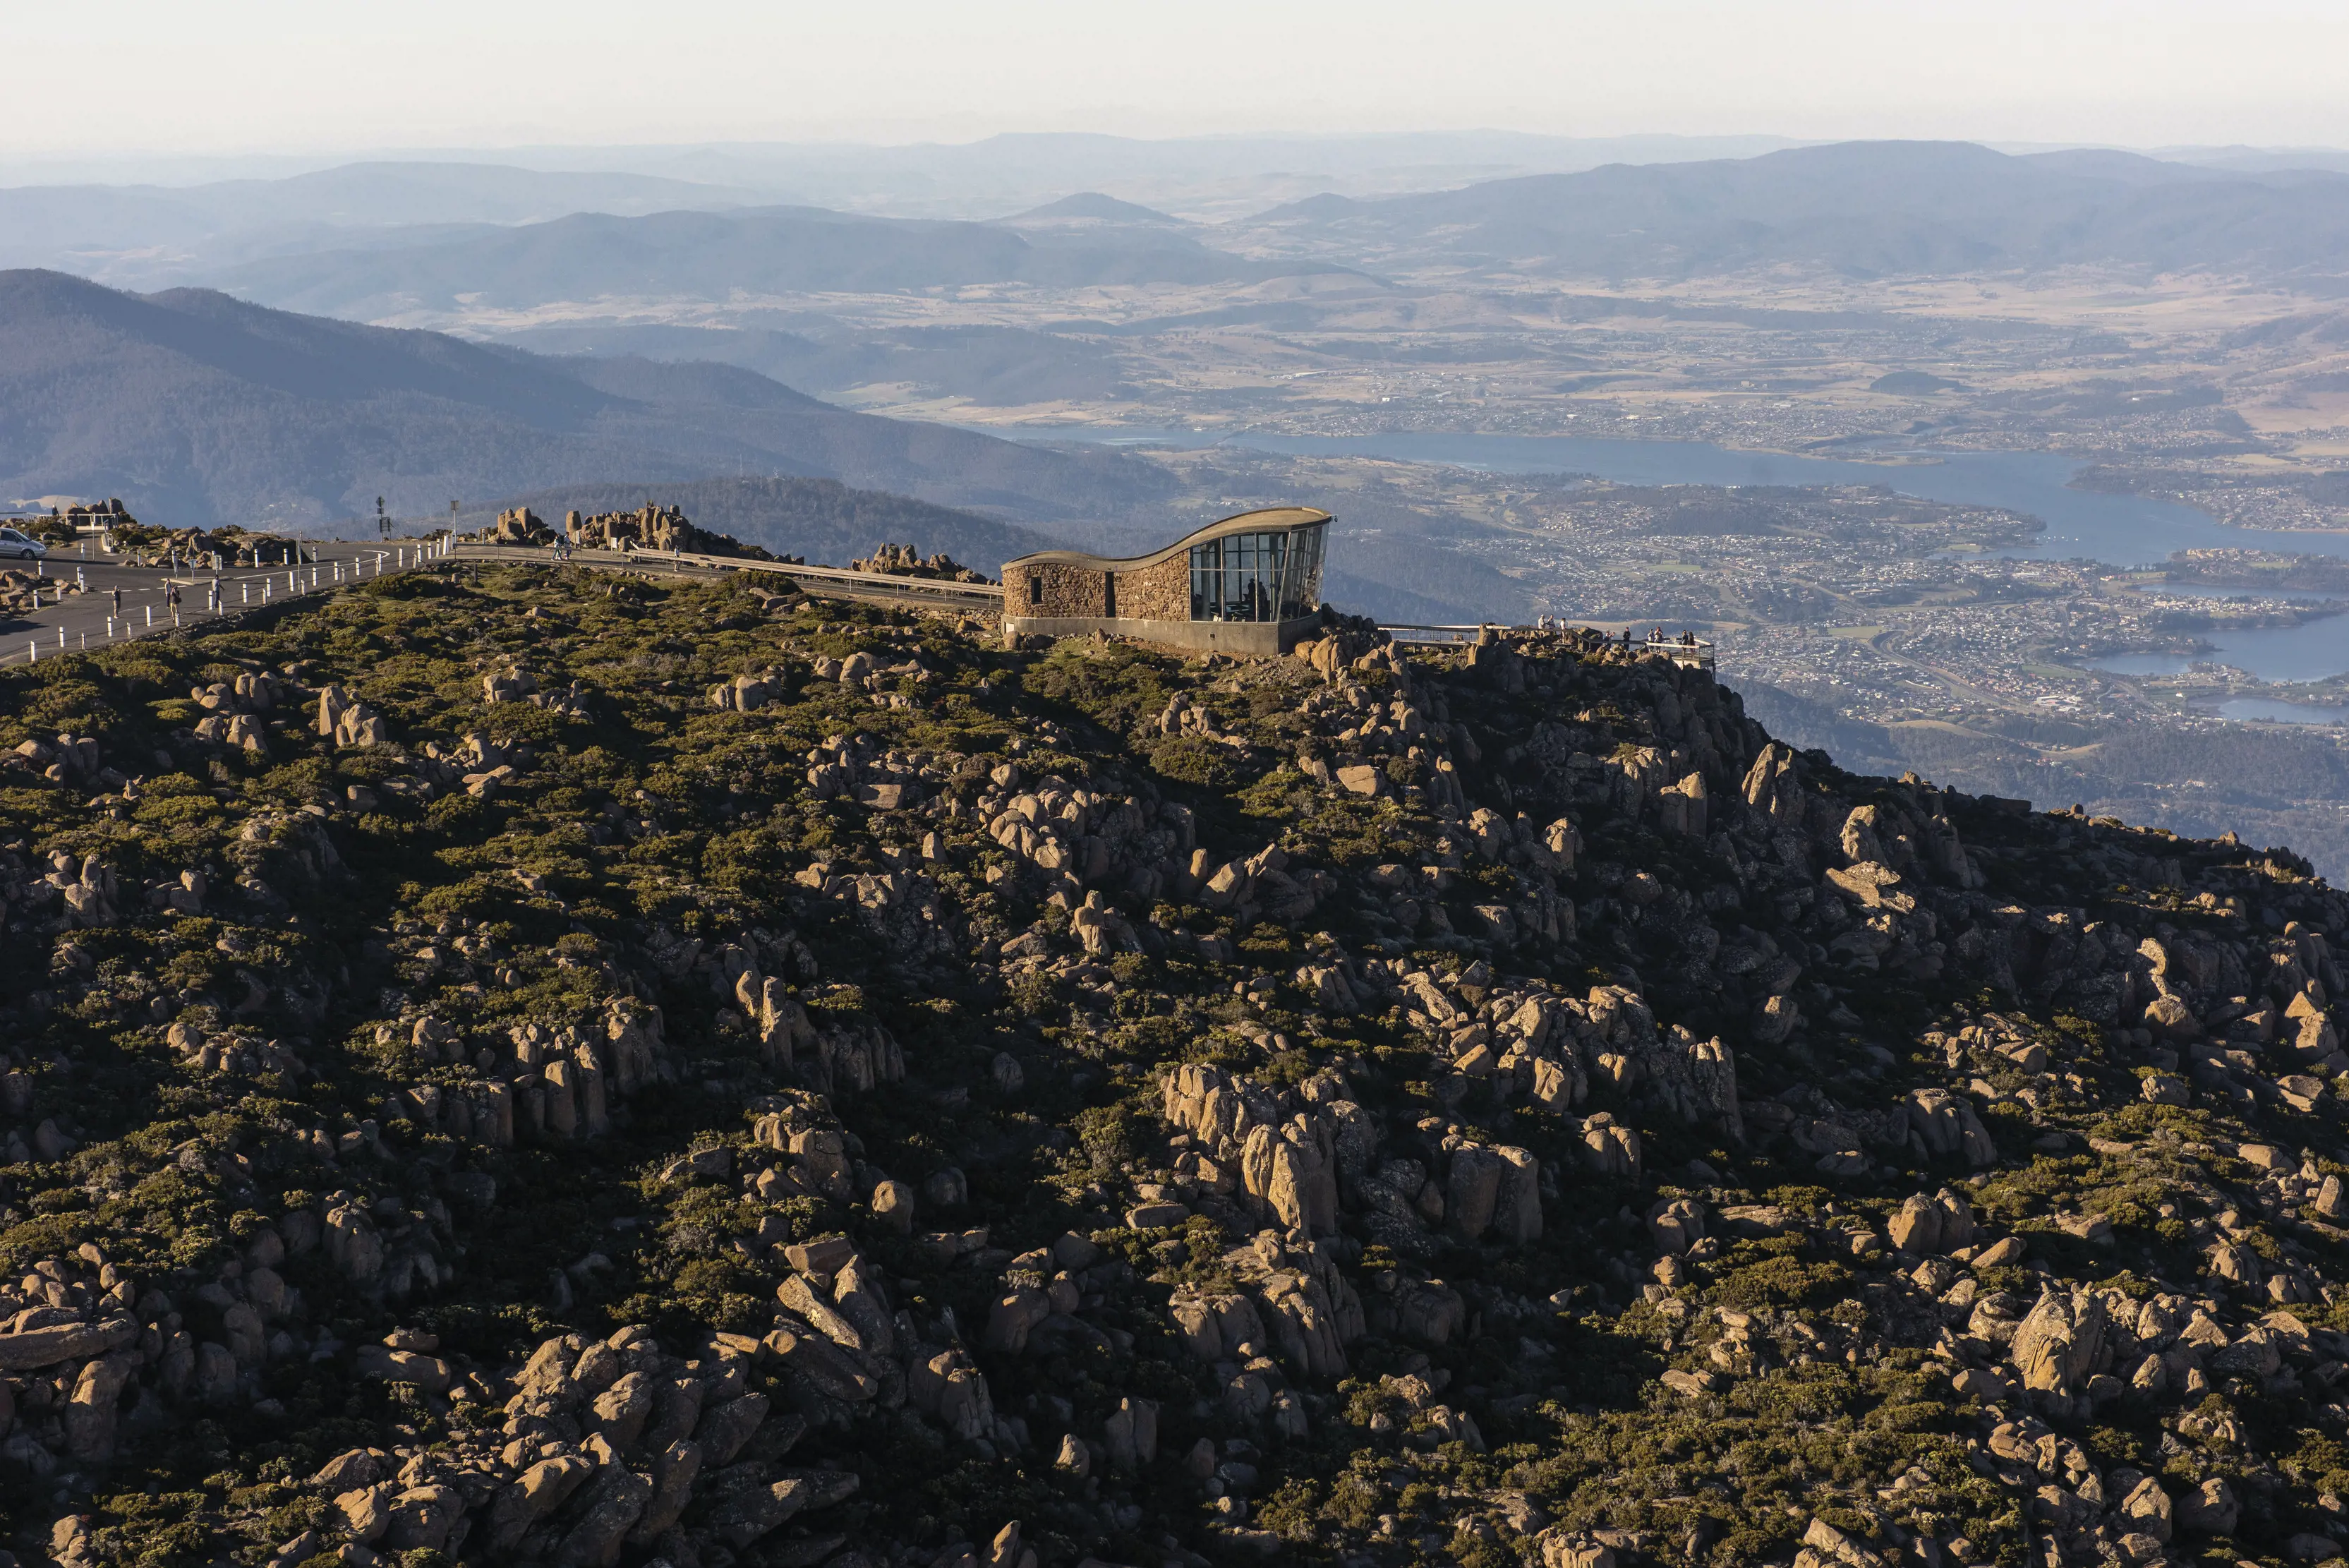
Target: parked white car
(15,546)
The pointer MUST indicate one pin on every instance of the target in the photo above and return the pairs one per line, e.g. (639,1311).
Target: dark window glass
(1257,576)
(1301,584)
(1206,581)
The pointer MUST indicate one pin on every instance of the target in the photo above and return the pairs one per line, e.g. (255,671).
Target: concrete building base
(1255,639)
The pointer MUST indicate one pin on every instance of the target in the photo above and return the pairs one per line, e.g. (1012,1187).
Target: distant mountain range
(197,408)
(1862,209)
(1854,209)
(1206,176)
(719,256)
(1089,208)
(175,233)
(423,241)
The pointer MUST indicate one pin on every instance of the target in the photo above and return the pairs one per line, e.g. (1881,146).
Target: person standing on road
(118,603)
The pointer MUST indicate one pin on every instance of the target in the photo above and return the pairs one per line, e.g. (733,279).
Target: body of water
(2309,653)
(2281,713)
(2118,530)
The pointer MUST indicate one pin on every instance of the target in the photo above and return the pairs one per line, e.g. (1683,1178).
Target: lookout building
(1249,584)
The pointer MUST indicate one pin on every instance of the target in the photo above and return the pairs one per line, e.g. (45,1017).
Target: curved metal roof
(1270,519)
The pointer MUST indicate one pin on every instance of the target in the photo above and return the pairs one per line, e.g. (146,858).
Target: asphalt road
(91,618)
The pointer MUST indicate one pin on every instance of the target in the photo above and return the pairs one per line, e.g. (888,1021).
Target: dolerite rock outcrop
(905,561)
(521,1067)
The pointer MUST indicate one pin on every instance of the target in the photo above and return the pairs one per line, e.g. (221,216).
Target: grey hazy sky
(301,76)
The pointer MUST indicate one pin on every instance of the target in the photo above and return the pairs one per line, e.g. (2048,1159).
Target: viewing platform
(1683,649)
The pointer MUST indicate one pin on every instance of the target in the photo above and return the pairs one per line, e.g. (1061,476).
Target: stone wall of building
(1247,639)
(1162,592)
(1069,590)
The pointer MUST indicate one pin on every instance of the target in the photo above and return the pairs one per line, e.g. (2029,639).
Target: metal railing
(149,611)
(823,581)
(1413,632)
(1695,655)
(988,597)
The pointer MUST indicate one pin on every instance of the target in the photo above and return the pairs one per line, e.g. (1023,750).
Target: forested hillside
(199,408)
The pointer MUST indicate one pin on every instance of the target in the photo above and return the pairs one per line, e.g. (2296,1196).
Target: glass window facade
(1257,576)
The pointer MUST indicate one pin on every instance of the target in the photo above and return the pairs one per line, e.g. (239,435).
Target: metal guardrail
(824,581)
(82,622)
(1438,635)
(1694,655)
(987,598)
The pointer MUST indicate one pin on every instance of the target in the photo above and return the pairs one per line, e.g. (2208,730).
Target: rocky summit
(518,1065)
